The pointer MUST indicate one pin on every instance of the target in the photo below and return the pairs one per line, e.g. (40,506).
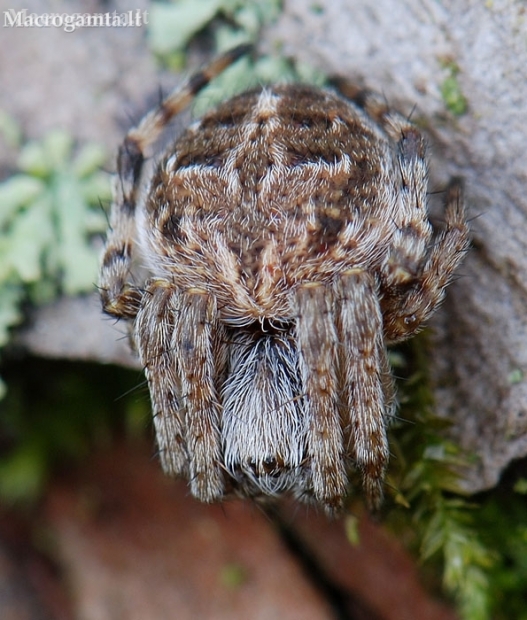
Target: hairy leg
(404,314)
(153,334)
(366,389)
(317,345)
(195,329)
(412,230)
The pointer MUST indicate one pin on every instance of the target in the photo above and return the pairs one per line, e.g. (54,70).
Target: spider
(286,242)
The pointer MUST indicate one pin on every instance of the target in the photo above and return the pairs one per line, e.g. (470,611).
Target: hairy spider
(287,241)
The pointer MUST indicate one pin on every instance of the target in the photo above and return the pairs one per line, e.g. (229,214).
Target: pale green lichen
(172,25)
(49,209)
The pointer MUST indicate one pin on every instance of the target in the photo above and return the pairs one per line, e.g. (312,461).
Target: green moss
(451,91)
(478,545)
(233,576)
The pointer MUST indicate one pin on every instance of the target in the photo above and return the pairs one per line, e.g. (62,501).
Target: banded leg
(366,389)
(153,334)
(119,297)
(405,313)
(317,345)
(450,245)
(195,328)
(413,231)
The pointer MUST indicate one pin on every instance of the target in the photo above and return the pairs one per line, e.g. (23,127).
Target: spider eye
(410,320)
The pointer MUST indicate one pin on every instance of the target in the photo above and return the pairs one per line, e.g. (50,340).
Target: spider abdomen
(267,192)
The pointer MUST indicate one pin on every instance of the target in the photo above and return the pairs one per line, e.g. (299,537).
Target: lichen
(230,23)
(50,210)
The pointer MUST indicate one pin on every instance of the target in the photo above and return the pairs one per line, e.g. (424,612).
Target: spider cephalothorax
(287,241)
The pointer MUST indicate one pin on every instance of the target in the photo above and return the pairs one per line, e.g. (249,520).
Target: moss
(233,576)
(478,545)
(451,91)
(501,522)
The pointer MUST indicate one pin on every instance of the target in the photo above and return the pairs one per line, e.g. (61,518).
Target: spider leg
(152,125)
(406,312)
(367,390)
(118,296)
(450,245)
(196,329)
(317,344)
(153,333)
(371,102)
(375,106)
(411,229)
(418,268)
